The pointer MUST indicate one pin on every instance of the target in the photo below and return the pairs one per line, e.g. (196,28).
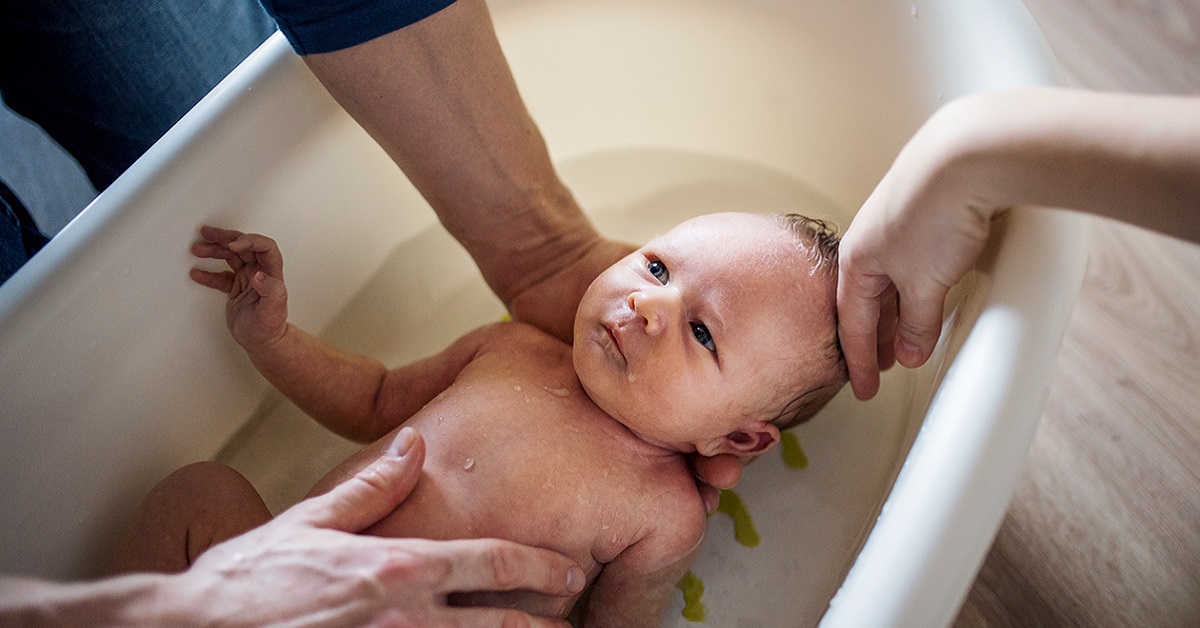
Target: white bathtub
(116,369)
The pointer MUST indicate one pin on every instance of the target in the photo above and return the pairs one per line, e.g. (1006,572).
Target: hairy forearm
(1129,157)
(439,97)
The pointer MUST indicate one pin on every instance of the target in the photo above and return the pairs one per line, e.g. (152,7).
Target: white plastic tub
(116,369)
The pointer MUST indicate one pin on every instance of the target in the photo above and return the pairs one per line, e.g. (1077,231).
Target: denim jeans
(106,78)
(19,236)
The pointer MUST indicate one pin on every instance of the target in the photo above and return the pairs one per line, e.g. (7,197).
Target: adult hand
(303,567)
(549,302)
(914,238)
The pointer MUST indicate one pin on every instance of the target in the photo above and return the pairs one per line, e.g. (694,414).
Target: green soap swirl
(793,454)
(743,528)
(693,589)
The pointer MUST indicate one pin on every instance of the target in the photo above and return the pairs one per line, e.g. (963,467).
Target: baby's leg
(191,510)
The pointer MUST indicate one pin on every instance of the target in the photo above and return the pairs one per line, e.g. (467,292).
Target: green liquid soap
(743,528)
(793,454)
(693,589)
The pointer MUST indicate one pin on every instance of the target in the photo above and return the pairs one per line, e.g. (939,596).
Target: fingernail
(402,443)
(575,579)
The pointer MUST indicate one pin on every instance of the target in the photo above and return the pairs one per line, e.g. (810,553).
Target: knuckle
(504,564)
(410,568)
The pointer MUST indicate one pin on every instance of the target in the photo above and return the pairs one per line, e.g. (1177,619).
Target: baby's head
(716,335)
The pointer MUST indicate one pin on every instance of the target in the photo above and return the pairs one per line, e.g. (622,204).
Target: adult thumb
(372,493)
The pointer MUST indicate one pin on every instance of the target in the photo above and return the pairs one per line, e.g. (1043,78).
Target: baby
(710,339)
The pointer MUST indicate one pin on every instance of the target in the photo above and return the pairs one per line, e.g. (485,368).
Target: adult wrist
(141,599)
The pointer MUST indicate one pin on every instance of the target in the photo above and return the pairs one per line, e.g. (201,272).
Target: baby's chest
(527,473)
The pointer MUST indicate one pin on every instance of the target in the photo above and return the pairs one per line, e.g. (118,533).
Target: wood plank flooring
(1104,529)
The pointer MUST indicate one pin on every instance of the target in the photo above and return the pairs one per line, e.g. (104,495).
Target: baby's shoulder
(675,521)
(675,497)
(515,336)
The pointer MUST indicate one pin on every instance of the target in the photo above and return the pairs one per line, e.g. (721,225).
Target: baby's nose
(656,306)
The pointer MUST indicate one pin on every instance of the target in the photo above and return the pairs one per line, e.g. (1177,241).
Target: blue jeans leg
(106,78)
(19,237)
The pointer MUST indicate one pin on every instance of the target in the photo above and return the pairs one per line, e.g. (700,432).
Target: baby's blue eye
(659,270)
(703,337)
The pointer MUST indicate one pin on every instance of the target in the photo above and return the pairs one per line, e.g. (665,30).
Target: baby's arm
(634,588)
(352,395)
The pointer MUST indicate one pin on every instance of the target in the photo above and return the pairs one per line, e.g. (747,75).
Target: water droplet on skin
(629,377)
(517,388)
(557,392)
(469,464)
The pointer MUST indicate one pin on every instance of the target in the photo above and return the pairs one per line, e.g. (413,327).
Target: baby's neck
(632,440)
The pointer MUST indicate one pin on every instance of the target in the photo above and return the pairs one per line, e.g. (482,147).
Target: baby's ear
(746,442)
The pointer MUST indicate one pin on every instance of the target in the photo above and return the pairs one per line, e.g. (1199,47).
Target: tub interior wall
(652,111)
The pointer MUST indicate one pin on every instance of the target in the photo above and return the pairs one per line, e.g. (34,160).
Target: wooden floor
(1105,527)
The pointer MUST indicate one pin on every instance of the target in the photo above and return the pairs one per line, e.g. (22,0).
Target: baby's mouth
(615,343)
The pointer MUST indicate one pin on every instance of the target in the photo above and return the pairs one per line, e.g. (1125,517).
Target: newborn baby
(709,339)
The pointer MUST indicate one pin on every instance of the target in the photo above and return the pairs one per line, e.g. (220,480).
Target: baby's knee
(201,481)
(205,490)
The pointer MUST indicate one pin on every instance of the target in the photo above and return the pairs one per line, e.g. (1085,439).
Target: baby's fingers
(217,281)
(218,235)
(208,250)
(264,250)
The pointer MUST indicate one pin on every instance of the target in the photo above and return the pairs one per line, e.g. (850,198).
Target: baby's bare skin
(516,450)
(680,347)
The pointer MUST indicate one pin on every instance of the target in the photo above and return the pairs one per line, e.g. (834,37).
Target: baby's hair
(818,240)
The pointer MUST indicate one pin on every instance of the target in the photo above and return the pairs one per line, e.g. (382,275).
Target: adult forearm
(439,97)
(130,600)
(1129,157)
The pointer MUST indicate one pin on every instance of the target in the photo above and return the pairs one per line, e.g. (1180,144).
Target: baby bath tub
(116,369)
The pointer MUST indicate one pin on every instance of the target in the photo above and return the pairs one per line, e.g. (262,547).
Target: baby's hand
(257,308)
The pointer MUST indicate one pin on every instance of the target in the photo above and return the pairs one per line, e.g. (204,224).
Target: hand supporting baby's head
(714,335)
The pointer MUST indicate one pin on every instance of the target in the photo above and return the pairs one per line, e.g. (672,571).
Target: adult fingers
(498,565)
(919,324)
(885,341)
(370,494)
(504,618)
(858,326)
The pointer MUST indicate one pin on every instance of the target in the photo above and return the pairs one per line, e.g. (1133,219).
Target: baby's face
(703,330)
